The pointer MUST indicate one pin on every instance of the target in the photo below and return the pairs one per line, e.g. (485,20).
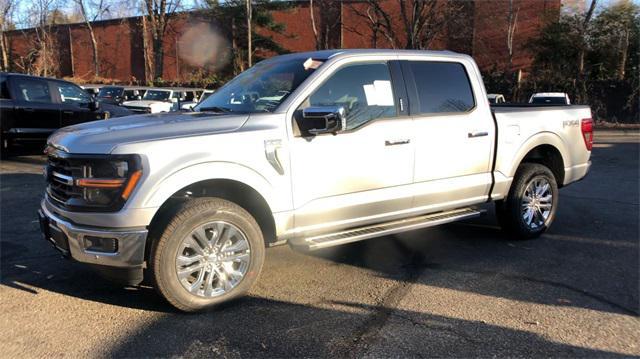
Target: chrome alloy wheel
(537,203)
(213,259)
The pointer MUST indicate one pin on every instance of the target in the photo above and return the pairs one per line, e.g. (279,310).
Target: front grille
(60,175)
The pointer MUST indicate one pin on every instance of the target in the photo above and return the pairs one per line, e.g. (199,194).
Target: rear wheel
(211,251)
(531,204)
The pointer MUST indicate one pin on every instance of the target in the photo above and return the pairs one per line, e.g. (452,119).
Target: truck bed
(523,127)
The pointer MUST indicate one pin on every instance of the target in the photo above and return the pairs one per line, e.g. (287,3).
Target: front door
(362,174)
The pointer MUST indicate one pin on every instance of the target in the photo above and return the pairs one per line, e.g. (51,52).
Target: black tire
(191,215)
(509,211)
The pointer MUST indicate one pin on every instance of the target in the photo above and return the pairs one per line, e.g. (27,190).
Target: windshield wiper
(218,109)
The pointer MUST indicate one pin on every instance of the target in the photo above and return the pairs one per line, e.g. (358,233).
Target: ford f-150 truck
(312,149)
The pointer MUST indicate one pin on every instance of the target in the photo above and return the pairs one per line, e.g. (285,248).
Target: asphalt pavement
(459,290)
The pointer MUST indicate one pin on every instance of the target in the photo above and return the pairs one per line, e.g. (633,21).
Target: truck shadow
(261,327)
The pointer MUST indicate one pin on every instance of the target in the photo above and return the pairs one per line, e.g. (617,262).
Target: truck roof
(328,54)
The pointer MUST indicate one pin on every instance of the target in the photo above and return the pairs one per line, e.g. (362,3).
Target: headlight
(107,182)
(90,182)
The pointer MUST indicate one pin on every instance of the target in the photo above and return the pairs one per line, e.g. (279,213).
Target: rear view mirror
(325,119)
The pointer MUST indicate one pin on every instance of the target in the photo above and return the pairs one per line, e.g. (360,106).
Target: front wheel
(211,251)
(531,204)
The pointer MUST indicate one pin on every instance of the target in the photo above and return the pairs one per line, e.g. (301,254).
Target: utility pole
(249,50)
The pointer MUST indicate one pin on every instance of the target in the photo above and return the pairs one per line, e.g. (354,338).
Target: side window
(4,88)
(33,90)
(442,87)
(363,90)
(72,94)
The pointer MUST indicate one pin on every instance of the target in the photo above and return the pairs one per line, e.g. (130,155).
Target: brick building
(477,27)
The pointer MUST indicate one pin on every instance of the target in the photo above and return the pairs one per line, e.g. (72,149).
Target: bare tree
(420,21)
(582,49)
(512,23)
(42,57)
(379,20)
(324,29)
(6,9)
(99,6)
(157,16)
(249,30)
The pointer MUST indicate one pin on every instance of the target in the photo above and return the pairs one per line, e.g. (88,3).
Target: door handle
(478,134)
(68,112)
(27,109)
(396,142)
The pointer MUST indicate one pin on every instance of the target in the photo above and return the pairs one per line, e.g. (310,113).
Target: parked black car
(32,107)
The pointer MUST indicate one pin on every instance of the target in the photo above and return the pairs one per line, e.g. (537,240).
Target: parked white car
(550,98)
(156,100)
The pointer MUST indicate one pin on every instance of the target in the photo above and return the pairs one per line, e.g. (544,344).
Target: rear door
(74,104)
(36,113)
(454,134)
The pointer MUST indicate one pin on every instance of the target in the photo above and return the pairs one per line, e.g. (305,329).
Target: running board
(382,229)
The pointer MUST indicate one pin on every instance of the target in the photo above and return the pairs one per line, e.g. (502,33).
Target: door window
(72,94)
(442,87)
(363,90)
(33,90)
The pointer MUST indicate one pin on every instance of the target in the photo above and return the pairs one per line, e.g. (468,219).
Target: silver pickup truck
(311,149)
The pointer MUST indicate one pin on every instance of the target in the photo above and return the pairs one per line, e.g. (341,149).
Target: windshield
(110,92)
(156,95)
(262,88)
(549,100)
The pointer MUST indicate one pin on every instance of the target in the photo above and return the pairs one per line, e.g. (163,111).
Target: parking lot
(455,291)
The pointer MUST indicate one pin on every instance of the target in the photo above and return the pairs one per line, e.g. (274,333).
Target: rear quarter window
(442,87)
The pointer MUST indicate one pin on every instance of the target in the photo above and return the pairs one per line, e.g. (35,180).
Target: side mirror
(94,105)
(174,100)
(325,119)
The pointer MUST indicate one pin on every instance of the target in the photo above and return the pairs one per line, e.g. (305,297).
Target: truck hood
(101,137)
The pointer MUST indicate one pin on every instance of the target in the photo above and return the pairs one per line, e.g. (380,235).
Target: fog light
(100,244)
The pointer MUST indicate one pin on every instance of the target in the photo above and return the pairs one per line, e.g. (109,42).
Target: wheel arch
(548,156)
(241,185)
(547,149)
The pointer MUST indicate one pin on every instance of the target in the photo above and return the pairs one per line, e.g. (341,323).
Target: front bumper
(72,241)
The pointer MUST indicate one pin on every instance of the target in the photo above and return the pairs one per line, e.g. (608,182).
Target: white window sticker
(311,64)
(379,93)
